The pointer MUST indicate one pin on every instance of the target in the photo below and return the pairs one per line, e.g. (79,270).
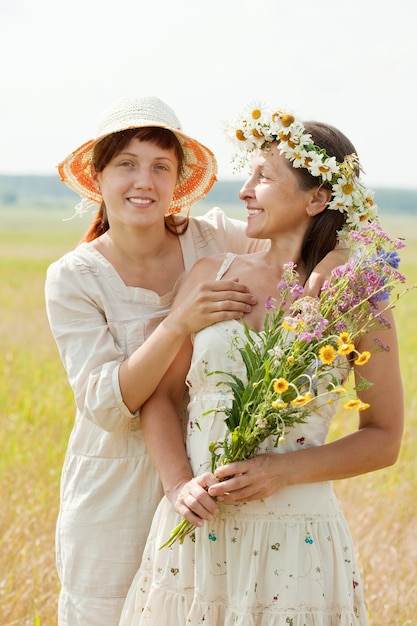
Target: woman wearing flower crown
(107,303)
(270,545)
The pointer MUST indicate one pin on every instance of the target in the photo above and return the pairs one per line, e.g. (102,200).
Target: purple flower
(392,258)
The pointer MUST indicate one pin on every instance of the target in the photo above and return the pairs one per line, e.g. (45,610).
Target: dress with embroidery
(287,560)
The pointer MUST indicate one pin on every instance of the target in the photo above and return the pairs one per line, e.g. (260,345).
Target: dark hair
(321,235)
(109,147)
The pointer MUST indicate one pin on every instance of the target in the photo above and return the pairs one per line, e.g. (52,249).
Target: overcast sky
(352,64)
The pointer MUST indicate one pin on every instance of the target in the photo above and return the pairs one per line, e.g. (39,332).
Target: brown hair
(111,146)
(321,235)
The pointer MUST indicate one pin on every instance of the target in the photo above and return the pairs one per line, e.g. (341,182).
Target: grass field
(36,412)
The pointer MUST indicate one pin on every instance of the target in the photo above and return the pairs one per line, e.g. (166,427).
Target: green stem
(179,533)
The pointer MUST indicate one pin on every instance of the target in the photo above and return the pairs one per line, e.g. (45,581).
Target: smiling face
(138,183)
(273,197)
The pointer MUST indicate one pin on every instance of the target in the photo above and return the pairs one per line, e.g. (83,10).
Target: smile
(252,212)
(142,201)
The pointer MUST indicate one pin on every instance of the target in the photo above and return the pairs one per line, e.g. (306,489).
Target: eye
(263,176)
(162,167)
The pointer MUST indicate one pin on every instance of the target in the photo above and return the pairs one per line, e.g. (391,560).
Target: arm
(199,303)
(110,386)
(374,445)
(163,433)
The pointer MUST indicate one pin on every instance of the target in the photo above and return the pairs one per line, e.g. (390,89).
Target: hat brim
(199,171)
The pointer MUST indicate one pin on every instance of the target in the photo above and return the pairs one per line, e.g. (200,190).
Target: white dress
(109,488)
(287,560)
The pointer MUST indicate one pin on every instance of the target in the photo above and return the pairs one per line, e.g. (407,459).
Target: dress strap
(227,262)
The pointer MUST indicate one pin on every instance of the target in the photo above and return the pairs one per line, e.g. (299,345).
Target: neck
(285,251)
(151,262)
(138,245)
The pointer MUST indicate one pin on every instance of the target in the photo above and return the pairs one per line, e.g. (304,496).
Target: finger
(231,469)
(204,508)
(226,297)
(237,491)
(243,495)
(230,290)
(236,483)
(230,284)
(206,480)
(196,499)
(187,514)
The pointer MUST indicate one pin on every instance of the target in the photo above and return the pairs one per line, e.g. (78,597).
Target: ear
(94,177)
(319,199)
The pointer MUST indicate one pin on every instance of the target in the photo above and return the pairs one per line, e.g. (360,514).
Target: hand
(254,479)
(210,302)
(193,502)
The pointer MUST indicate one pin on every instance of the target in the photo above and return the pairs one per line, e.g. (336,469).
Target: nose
(247,190)
(143,178)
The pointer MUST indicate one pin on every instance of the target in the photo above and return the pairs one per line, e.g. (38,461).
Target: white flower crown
(258,128)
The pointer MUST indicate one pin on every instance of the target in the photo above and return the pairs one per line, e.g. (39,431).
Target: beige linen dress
(109,488)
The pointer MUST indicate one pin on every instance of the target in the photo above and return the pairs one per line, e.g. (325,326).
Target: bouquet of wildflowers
(299,347)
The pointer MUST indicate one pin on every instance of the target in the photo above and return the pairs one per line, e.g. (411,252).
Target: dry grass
(36,412)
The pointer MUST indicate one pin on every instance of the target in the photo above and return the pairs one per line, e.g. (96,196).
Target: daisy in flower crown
(258,127)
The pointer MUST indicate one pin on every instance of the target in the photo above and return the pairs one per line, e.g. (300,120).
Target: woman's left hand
(253,479)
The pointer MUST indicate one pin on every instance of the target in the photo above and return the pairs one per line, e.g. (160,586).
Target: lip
(140,202)
(253,212)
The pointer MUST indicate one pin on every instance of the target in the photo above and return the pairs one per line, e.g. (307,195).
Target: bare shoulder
(207,267)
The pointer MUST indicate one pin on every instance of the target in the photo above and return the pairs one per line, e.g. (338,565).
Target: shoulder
(216,232)
(83,259)
(208,266)
(217,228)
(217,219)
(212,267)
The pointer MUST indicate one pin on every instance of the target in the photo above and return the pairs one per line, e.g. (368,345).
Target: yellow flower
(352,404)
(280,385)
(363,406)
(279,404)
(363,358)
(327,354)
(287,326)
(290,359)
(346,348)
(299,400)
(344,337)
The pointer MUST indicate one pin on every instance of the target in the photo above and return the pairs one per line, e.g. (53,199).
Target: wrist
(176,326)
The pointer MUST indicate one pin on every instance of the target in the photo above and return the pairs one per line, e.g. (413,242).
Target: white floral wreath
(259,127)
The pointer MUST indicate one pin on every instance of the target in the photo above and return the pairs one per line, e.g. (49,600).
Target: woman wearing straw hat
(108,303)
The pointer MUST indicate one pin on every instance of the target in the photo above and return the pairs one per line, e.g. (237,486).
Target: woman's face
(273,198)
(137,185)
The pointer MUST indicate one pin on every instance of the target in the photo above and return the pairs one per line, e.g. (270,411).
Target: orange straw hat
(200,166)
